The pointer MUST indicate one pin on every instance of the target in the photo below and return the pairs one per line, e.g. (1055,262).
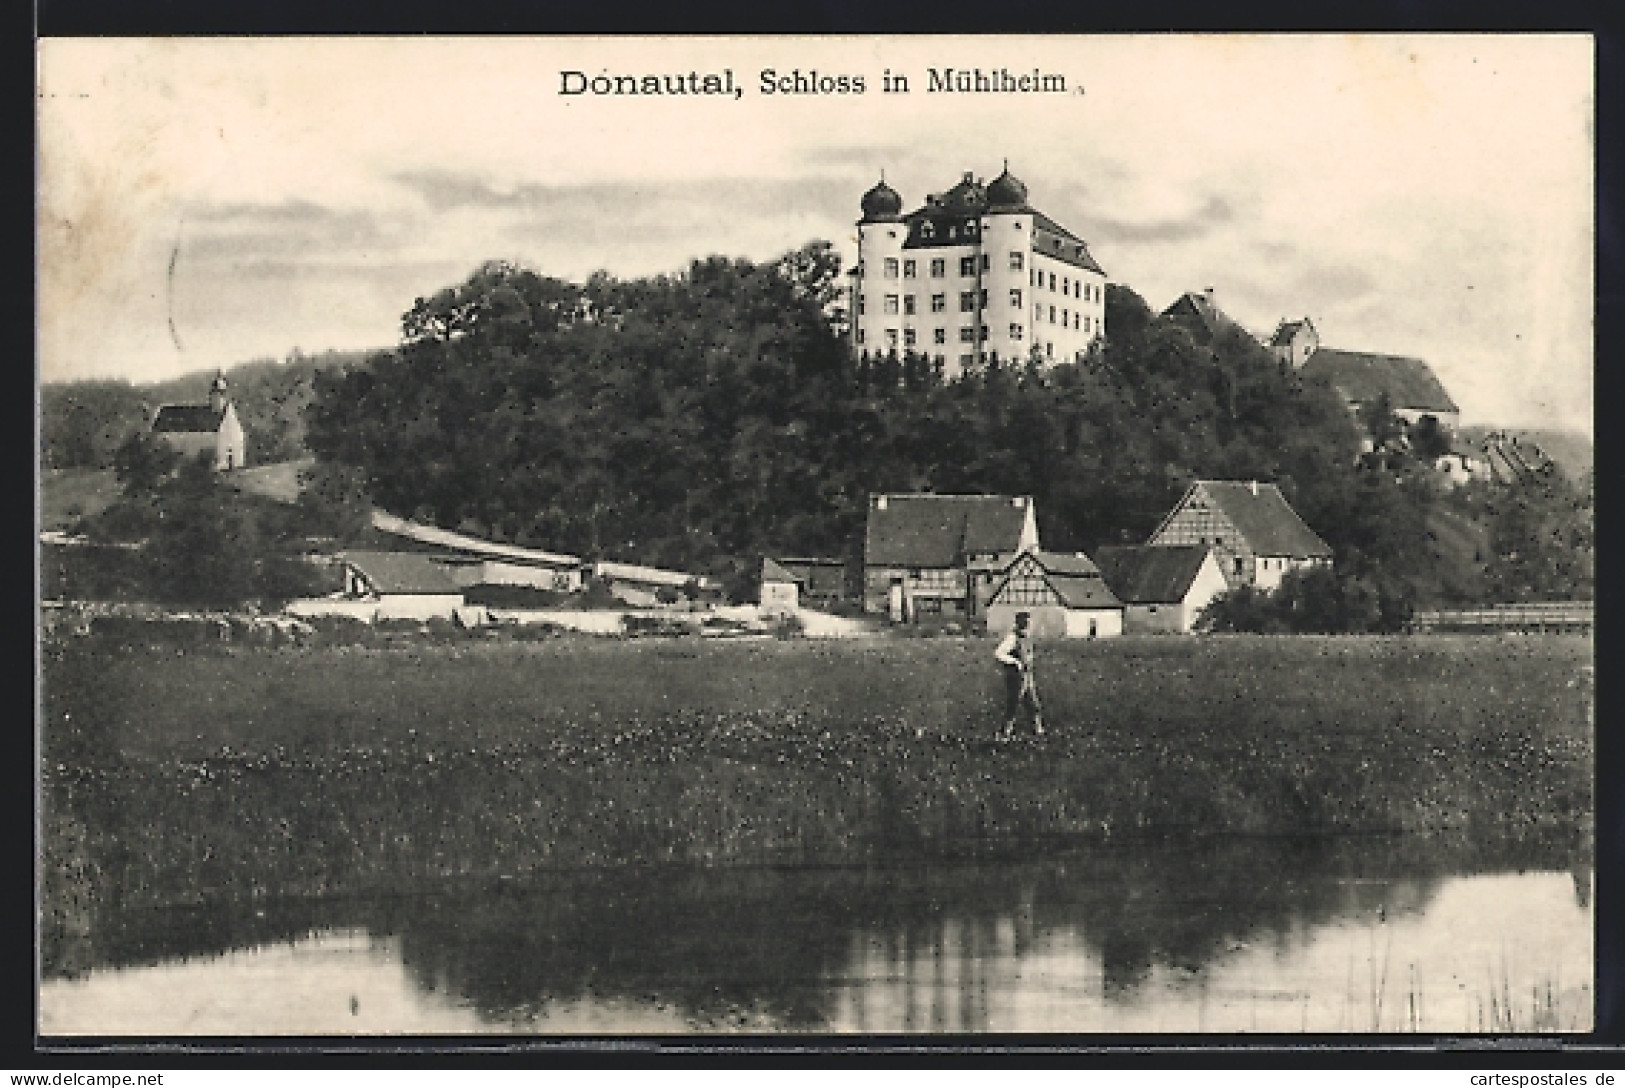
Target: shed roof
(1084,591)
(1263,517)
(924,530)
(1145,574)
(187,419)
(1363,376)
(401,572)
(772,572)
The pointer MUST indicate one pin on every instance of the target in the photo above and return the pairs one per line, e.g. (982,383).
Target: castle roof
(1144,574)
(1364,376)
(953,218)
(923,530)
(881,204)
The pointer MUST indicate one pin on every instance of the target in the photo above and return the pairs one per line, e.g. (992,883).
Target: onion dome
(882,202)
(1006,191)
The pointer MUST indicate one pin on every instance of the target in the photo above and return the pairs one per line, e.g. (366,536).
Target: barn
(1064,594)
(1163,589)
(405,585)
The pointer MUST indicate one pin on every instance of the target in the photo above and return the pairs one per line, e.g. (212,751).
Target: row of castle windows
(970,302)
(909,268)
(967,335)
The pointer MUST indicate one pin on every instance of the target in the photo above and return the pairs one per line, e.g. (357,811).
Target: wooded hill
(702,420)
(83,423)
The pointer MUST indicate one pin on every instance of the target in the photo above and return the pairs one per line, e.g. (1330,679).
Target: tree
(1429,439)
(143,461)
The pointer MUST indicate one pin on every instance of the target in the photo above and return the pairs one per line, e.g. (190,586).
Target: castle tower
(974,272)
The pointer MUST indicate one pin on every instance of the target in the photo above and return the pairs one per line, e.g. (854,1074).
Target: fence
(1541,616)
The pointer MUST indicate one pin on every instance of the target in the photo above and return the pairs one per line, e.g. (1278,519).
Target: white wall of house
(1268,570)
(1052,621)
(418,606)
(779,597)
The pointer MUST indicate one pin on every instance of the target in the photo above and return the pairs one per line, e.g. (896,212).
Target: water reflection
(1236,935)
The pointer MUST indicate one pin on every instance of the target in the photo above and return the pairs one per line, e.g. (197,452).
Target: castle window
(1017,260)
(984,332)
(1066,285)
(1015,332)
(970,227)
(967,302)
(939,336)
(987,262)
(1051,277)
(908,338)
(908,304)
(967,335)
(891,338)
(939,359)
(860,336)
(891,268)
(939,267)
(928,229)
(861,306)
(967,266)
(1066,318)
(939,303)
(1049,349)
(909,268)
(984,296)
(966,360)
(1015,296)
(1051,314)
(891,304)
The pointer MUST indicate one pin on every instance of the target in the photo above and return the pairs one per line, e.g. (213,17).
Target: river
(1223,935)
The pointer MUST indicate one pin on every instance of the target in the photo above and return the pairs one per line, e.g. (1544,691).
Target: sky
(204,202)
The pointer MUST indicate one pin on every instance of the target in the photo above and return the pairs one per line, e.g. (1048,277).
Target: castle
(973,274)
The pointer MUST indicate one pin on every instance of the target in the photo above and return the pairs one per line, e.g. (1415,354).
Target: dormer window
(928,229)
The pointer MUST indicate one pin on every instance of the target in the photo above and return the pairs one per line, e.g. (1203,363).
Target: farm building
(918,548)
(1197,312)
(405,585)
(780,589)
(212,428)
(1162,589)
(1064,593)
(1252,529)
(471,561)
(1294,342)
(1362,378)
(821,582)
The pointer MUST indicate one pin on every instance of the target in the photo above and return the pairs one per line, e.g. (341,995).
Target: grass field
(316,770)
(68,494)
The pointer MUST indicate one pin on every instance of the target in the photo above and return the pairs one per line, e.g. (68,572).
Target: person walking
(1015,655)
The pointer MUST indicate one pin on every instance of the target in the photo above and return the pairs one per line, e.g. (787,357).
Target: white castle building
(974,273)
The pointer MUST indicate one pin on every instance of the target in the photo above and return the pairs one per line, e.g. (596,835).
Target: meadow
(170,776)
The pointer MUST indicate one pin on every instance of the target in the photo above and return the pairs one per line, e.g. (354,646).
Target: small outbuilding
(780,590)
(405,585)
(1064,594)
(1163,589)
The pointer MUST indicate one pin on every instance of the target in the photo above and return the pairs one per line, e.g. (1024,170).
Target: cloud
(1215,213)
